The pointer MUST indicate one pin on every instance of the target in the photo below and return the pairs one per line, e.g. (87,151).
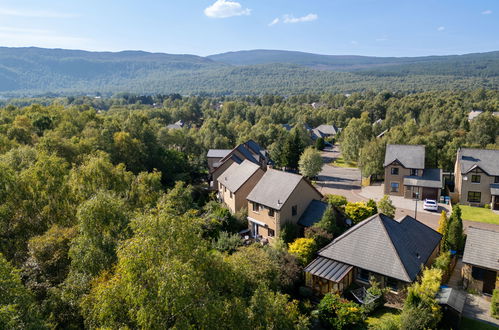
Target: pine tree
(455,230)
(443,228)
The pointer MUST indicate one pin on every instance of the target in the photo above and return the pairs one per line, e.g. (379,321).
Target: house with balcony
(236,183)
(394,252)
(476,176)
(406,175)
(277,199)
(481,260)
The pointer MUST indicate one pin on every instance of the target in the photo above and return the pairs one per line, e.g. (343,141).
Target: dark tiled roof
(328,269)
(385,246)
(274,188)
(451,297)
(431,178)
(237,174)
(410,156)
(482,248)
(313,213)
(487,160)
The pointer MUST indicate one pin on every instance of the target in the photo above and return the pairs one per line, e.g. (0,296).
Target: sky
(205,27)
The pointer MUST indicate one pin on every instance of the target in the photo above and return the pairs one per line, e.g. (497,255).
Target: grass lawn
(470,324)
(340,162)
(382,315)
(479,214)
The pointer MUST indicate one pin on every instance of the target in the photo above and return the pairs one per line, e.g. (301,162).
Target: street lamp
(416,208)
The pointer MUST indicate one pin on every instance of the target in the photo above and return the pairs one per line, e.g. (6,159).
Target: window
(475,178)
(271,232)
(477,273)
(392,283)
(271,213)
(474,196)
(394,187)
(414,172)
(395,171)
(363,275)
(256,207)
(225,189)
(231,195)
(496,179)
(294,210)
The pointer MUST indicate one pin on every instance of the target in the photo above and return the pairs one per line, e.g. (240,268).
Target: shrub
(289,232)
(320,144)
(337,201)
(443,262)
(494,304)
(487,206)
(358,211)
(372,204)
(328,221)
(375,290)
(319,235)
(303,249)
(227,242)
(386,206)
(338,313)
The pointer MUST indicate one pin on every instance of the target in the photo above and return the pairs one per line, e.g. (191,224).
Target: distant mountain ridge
(34,71)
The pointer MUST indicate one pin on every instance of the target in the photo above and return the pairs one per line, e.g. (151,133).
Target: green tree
(310,163)
(484,130)
(293,148)
(386,206)
(455,235)
(354,136)
(371,158)
(358,211)
(17,306)
(303,249)
(320,144)
(337,201)
(328,221)
(339,313)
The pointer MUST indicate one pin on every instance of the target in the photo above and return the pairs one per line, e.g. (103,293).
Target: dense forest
(106,222)
(37,71)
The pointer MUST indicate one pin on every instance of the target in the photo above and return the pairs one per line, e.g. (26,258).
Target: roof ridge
(349,231)
(486,229)
(393,245)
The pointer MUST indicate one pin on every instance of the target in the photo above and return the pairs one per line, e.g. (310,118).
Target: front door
(254,229)
(489,281)
(496,203)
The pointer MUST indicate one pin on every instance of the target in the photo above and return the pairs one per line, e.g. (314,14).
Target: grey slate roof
(431,178)
(451,297)
(487,160)
(385,246)
(237,174)
(328,269)
(494,189)
(274,188)
(410,156)
(177,125)
(313,213)
(218,153)
(482,248)
(327,129)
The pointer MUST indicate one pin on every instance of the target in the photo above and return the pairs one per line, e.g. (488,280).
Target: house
(394,252)
(277,199)
(477,177)
(481,260)
(406,175)
(177,125)
(236,183)
(324,131)
(219,160)
(475,113)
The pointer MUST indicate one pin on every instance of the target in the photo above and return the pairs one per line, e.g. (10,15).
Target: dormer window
(395,171)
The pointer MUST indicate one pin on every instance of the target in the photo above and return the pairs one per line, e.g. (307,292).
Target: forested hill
(35,71)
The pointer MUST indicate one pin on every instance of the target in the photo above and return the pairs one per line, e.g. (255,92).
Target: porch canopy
(328,269)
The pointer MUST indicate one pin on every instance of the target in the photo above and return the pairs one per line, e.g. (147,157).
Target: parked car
(430,205)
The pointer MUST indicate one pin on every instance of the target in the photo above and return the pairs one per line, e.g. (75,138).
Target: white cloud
(290,19)
(307,18)
(275,21)
(24,37)
(224,9)
(440,28)
(33,13)
(487,12)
